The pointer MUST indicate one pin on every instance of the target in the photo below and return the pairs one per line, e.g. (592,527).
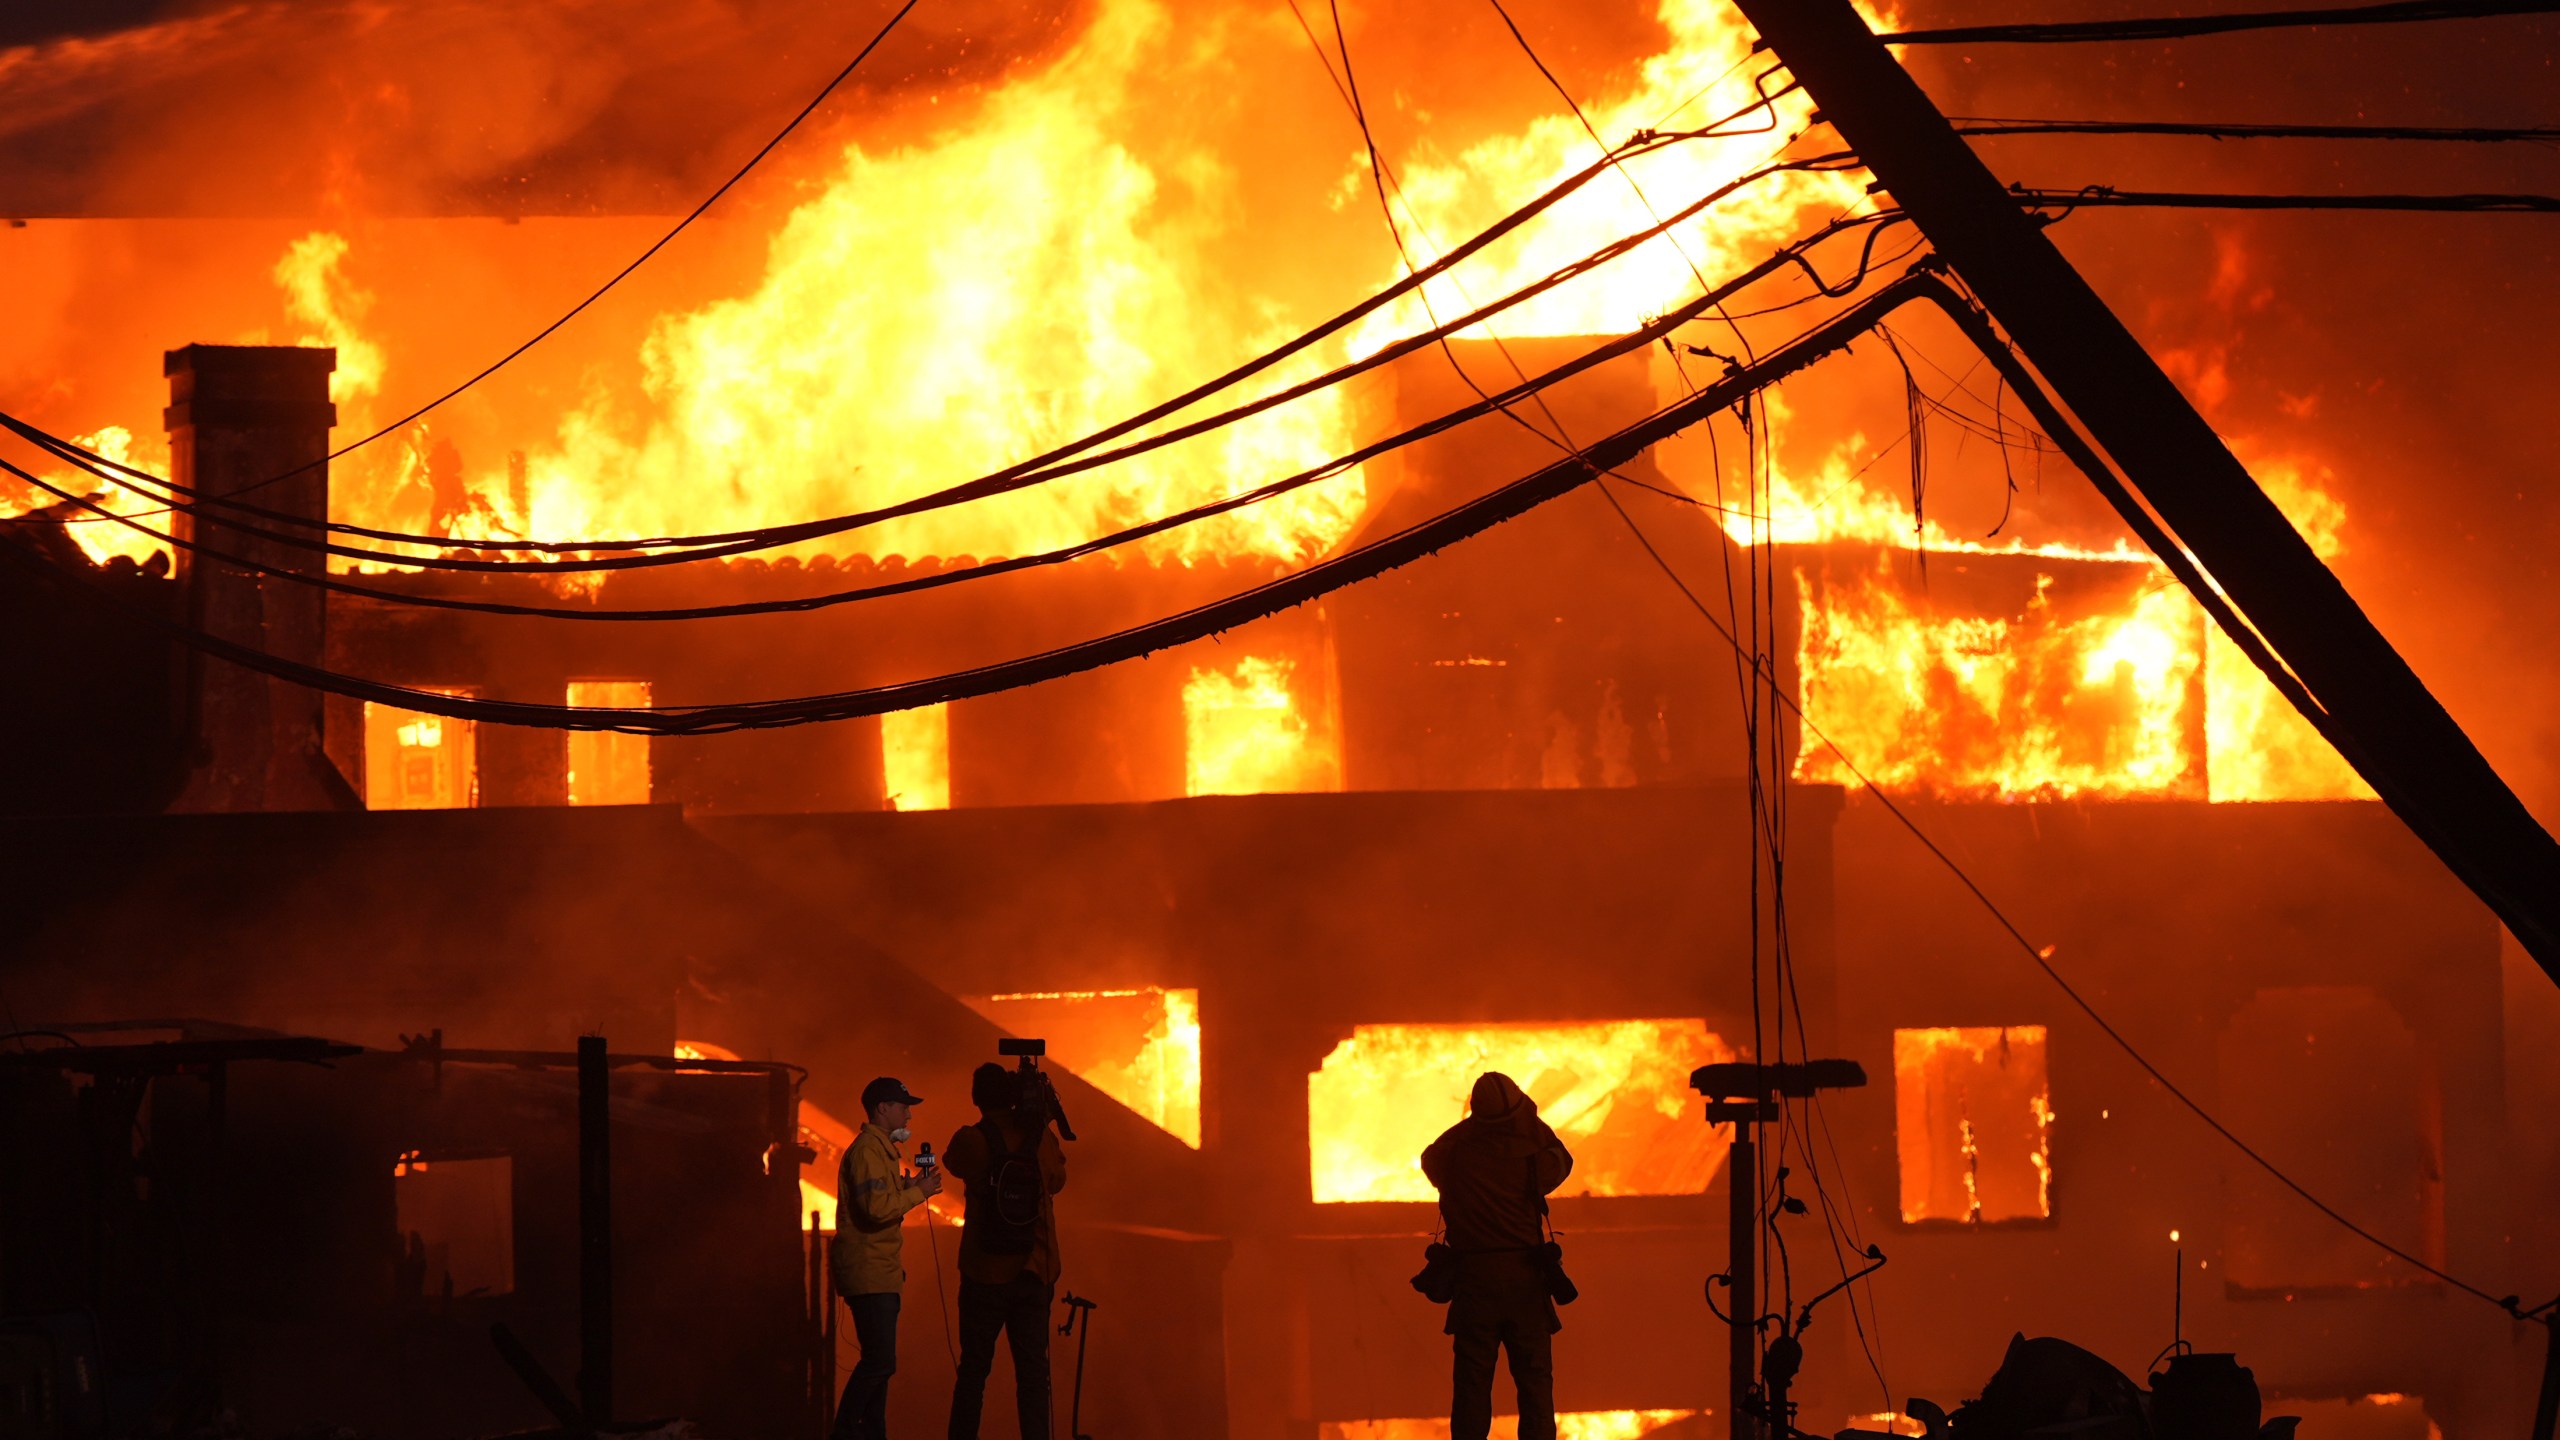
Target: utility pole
(1747,1096)
(2377,711)
(595,1231)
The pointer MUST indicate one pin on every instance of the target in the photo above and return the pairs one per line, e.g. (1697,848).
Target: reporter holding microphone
(873,1196)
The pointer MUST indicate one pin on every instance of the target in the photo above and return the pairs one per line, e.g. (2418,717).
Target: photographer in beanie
(873,1196)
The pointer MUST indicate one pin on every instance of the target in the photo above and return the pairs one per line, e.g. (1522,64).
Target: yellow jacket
(872,1199)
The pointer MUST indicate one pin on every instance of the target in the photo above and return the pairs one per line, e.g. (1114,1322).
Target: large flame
(1139,1046)
(1570,1425)
(1973,1117)
(947,307)
(1697,77)
(101,540)
(2260,746)
(1616,1092)
(2034,705)
(1247,731)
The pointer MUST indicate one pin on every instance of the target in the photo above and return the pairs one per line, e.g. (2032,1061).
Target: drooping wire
(940,578)
(2108,197)
(1981,126)
(2182,27)
(2041,957)
(1056,463)
(1371,558)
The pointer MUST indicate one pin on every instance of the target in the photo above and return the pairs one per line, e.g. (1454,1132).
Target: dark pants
(1532,1347)
(863,1413)
(1019,1311)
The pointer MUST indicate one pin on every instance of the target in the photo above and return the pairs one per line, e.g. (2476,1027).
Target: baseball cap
(887,1090)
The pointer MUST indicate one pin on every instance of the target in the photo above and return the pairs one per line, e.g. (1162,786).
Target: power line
(2180,27)
(2105,196)
(2230,130)
(2042,956)
(1054,463)
(2047,414)
(1374,558)
(1769,809)
(941,578)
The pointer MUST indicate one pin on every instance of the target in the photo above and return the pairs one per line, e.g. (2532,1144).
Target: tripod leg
(1075,1410)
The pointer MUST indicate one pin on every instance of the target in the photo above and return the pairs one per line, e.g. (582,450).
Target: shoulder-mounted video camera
(1035,1098)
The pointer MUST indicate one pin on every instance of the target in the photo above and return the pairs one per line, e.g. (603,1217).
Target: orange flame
(1616,1092)
(2029,706)
(605,767)
(1973,1119)
(1246,732)
(1140,1046)
(1570,1425)
(915,758)
(100,539)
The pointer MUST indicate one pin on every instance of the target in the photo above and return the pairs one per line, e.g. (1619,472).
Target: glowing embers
(457,1221)
(2001,678)
(1572,1425)
(414,761)
(607,767)
(1616,1091)
(915,758)
(1973,1117)
(1140,1047)
(1251,729)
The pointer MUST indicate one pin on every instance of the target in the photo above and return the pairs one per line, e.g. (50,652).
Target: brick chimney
(239,416)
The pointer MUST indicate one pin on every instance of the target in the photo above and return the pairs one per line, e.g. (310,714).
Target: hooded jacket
(1495,1169)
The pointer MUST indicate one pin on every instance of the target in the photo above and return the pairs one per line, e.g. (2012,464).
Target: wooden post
(595,1232)
(2374,707)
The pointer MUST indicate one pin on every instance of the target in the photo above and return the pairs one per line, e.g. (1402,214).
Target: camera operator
(873,1197)
(1012,1164)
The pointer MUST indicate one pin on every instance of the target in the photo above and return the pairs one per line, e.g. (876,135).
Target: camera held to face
(1035,1101)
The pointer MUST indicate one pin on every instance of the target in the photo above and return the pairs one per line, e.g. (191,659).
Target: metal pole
(595,1233)
(817,1327)
(1743,1223)
(2362,694)
(2546,1412)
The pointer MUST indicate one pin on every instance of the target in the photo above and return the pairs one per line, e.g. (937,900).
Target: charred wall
(2237,946)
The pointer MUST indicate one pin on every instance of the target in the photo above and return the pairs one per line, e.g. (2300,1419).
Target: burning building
(1275,897)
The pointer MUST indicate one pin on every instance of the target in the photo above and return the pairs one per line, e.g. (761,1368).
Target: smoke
(451,106)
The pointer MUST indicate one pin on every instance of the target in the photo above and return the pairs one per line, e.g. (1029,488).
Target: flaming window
(915,758)
(457,1223)
(414,761)
(1973,1117)
(1571,1425)
(606,767)
(1616,1092)
(1140,1047)
(2091,688)
(1247,730)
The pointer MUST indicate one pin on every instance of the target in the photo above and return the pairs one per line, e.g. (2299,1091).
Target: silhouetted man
(1494,1171)
(873,1196)
(1008,1251)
